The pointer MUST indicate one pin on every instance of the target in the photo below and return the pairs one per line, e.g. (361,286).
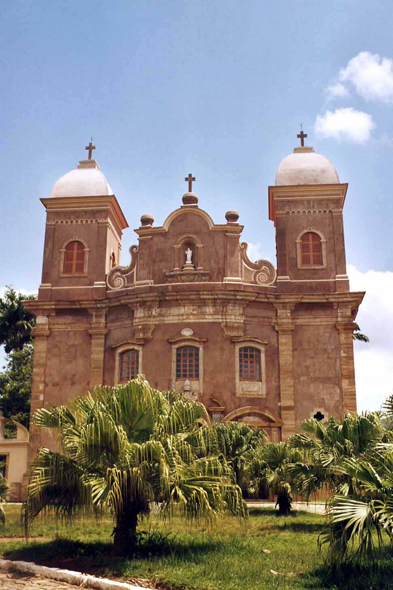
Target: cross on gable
(190,179)
(301,136)
(90,147)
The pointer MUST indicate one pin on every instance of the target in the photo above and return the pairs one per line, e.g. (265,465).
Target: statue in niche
(188,256)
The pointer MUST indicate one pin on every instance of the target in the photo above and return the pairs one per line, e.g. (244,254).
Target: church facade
(265,344)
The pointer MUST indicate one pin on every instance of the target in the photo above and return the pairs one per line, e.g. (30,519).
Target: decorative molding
(130,342)
(144,331)
(261,272)
(232,329)
(186,209)
(219,407)
(285,212)
(76,221)
(272,418)
(187,338)
(187,276)
(249,339)
(84,221)
(120,277)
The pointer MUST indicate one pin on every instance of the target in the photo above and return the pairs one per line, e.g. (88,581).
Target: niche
(188,254)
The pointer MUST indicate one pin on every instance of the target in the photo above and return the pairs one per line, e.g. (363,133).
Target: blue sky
(215,88)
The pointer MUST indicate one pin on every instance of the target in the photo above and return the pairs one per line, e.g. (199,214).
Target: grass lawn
(265,552)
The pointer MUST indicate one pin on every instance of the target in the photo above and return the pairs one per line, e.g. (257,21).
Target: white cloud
(23,291)
(348,124)
(257,252)
(371,75)
(337,90)
(374,361)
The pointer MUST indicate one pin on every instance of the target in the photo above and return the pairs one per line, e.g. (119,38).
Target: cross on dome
(301,136)
(190,179)
(90,147)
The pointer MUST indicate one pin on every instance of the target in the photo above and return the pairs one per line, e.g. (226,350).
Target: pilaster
(41,333)
(285,329)
(97,333)
(345,327)
(232,254)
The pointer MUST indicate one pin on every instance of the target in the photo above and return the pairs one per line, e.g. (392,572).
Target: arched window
(128,365)
(112,260)
(187,362)
(249,364)
(311,249)
(74,258)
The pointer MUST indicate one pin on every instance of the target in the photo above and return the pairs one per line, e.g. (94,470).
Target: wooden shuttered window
(311,250)
(74,259)
(249,364)
(129,365)
(187,362)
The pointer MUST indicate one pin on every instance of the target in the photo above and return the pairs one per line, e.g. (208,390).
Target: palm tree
(360,520)
(357,334)
(238,443)
(326,445)
(361,511)
(127,446)
(270,470)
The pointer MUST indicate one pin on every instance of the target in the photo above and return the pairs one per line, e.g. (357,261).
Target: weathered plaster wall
(68,365)
(317,371)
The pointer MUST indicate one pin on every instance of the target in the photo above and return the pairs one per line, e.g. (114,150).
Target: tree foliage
(16,323)
(238,442)
(357,335)
(269,470)
(127,446)
(355,459)
(16,326)
(3,492)
(15,385)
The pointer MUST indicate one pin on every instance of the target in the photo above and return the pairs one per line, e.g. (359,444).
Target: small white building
(13,454)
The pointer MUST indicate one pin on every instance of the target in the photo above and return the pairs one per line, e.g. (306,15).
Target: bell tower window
(74,258)
(311,251)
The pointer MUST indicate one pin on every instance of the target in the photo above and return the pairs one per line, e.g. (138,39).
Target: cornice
(107,203)
(221,295)
(305,191)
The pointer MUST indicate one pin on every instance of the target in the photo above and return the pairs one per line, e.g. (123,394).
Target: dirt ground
(24,581)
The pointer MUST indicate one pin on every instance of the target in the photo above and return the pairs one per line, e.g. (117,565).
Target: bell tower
(306,205)
(84,227)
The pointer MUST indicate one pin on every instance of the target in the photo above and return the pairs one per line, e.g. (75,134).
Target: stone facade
(190,282)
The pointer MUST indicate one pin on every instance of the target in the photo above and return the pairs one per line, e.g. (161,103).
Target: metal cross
(301,136)
(90,147)
(190,179)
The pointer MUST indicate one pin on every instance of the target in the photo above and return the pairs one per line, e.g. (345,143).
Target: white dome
(85,181)
(304,166)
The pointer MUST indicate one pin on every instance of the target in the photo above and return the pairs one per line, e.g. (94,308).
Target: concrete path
(310,507)
(19,575)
